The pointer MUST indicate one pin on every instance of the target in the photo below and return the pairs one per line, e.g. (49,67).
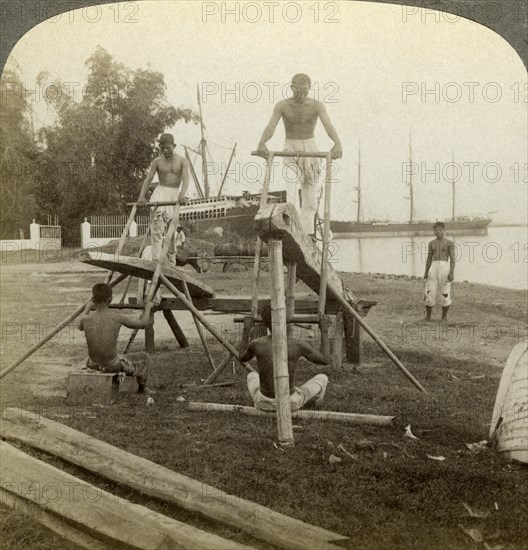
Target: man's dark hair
(101,292)
(166,138)
(302,76)
(439,224)
(265,314)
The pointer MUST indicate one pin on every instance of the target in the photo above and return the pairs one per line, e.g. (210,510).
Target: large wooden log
(281,221)
(98,512)
(145,269)
(315,415)
(159,482)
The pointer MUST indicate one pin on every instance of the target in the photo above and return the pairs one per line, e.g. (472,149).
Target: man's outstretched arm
(337,150)
(148,180)
(182,198)
(313,355)
(247,349)
(269,130)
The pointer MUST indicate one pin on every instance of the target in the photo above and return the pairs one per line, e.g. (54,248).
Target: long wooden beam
(241,304)
(96,511)
(347,418)
(159,482)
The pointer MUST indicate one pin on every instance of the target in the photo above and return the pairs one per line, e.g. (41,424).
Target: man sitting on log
(101,329)
(261,384)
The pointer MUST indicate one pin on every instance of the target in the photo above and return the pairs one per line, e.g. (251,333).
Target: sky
(383,72)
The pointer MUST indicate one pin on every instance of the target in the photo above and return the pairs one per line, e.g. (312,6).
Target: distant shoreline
(508,225)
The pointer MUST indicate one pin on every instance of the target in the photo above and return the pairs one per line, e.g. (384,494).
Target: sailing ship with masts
(224,214)
(461,225)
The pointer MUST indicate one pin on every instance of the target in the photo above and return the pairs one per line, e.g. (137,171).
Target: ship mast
(359,185)
(411,191)
(453,188)
(207,190)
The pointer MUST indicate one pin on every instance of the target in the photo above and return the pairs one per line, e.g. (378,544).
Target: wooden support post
(258,249)
(354,343)
(290,297)
(56,330)
(200,330)
(324,328)
(336,344)
(280,344)
(176,329)
(150,344)
(207,325)
(326,236)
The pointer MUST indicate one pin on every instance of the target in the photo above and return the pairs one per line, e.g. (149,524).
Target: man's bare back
(262,349)
(299,118)
(101,329)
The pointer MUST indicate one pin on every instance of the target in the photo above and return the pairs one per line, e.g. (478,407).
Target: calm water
(499,258)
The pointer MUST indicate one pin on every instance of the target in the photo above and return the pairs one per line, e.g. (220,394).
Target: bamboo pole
(199,329)
(348,418)
(258,249)
(326,237)
(293,154)
(205,323)
(56,330)
(290,297)
(279,339)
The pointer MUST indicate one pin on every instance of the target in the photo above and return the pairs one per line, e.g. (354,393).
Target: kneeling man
(261,385)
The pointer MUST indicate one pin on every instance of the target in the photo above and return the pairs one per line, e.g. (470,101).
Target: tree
(18,153)
(99,151)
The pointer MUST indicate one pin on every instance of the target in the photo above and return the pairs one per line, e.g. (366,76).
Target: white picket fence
(40,237)
(100,230)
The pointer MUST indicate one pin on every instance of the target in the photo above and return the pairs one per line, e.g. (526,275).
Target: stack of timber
(91,514)
(144,269)
(155,481)
(281,221)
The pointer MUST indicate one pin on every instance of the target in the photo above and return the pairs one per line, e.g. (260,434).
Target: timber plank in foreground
(160,482)
(97,512)
(144,269)
(52,522)
(281,221)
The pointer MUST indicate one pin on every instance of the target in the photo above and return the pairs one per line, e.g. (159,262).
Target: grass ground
(387,495)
